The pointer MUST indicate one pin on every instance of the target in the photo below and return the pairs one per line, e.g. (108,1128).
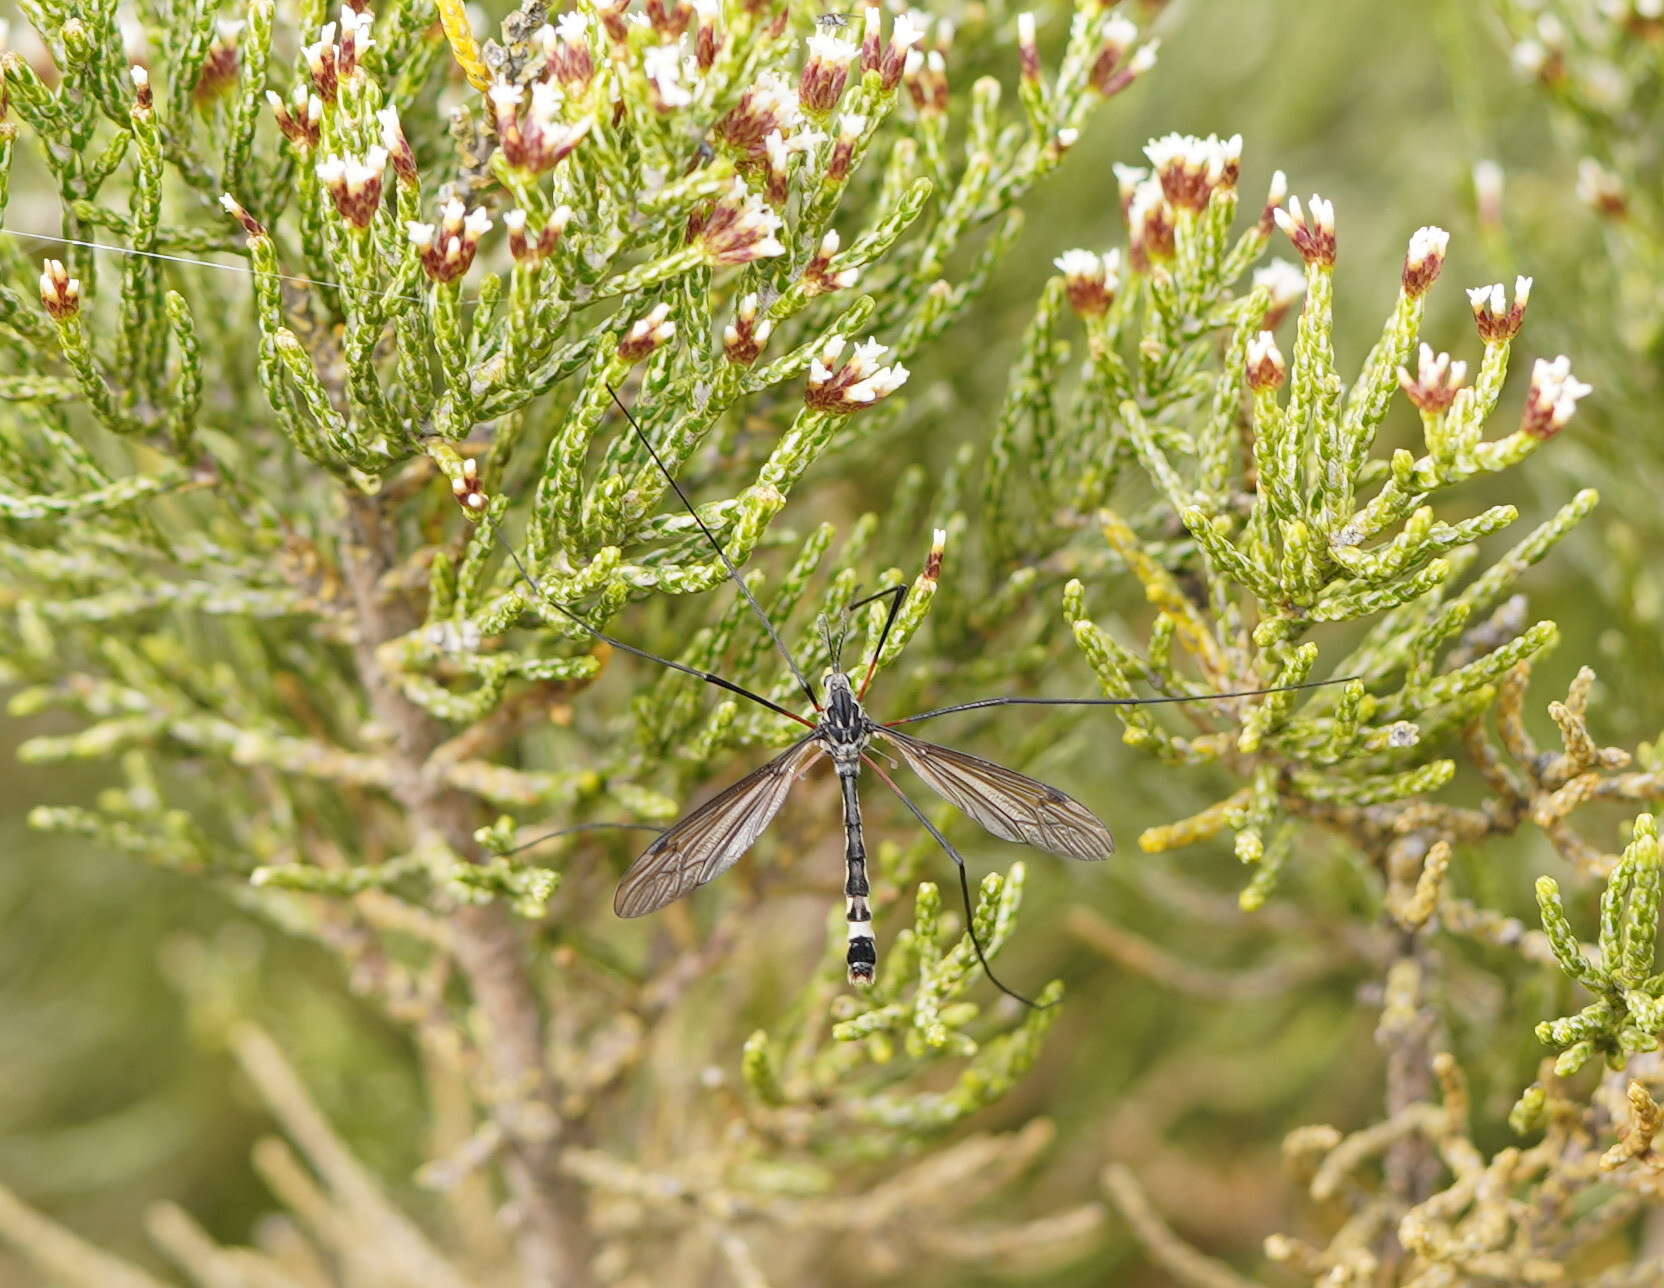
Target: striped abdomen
(863,951)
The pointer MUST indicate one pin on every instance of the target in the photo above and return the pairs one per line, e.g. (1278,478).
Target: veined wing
(1010,805)
(710,840)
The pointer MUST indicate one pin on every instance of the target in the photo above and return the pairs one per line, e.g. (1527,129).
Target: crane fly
(711,838)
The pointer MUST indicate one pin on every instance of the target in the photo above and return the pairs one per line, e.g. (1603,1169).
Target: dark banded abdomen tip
(862,959)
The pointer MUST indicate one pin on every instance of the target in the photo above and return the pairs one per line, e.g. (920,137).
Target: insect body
(712,838)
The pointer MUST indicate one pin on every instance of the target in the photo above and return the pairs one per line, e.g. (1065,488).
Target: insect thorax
(844,727)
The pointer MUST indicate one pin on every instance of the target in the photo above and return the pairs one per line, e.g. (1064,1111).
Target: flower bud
(1265,366)
(219,66)
(1496,319)
(59,292)
(466,488)
(1286,284)
(1436,383)
(647,334)
(1089,280)
(743,338)
(252,226)
(854,384)
(740,229)
(825,74)
(1423,260)
(1314,235)
(1552,398)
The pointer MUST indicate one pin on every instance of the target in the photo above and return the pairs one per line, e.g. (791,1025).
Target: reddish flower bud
(1496,319)
(1314,235)
(1436,383)
(1552,398)
(1423,260)
(1265,366)
(743,338)
(59,292)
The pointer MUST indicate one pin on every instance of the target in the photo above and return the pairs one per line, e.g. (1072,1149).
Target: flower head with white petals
(1090,280)
(859,382)
(1552,398)
(743,338)
(662,65)
(647,334)
(1496,318)
(1436,383)
(1190,168)
(1313,235)
(1423,260)
(740,229)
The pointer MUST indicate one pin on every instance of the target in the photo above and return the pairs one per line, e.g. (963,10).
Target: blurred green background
(109,1099)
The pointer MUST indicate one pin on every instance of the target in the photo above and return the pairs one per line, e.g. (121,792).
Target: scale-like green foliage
(252,528)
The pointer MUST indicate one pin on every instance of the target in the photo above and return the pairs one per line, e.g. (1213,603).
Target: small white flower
(775,146)
(1428,241)
(662,64)
(1077,263)
(1120,31)
(421,235)
(831,49)
(906,33)
(1529,57)
(1263,348)
(1555,388)
(1284,280)
(477,224)
(1127,178)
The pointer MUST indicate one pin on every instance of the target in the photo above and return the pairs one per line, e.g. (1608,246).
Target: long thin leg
(1118,702)
(707,676)
(898,593)
(733,572)
(964,888)
(583,827)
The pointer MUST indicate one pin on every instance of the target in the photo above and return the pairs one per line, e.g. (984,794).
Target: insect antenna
(733,572)
(834,646)
(964,889)
(710,677)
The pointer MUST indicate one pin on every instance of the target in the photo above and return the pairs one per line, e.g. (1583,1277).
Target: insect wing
(1010,805)
(711,839)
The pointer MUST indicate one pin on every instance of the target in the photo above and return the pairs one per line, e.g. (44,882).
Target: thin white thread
(208,263)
